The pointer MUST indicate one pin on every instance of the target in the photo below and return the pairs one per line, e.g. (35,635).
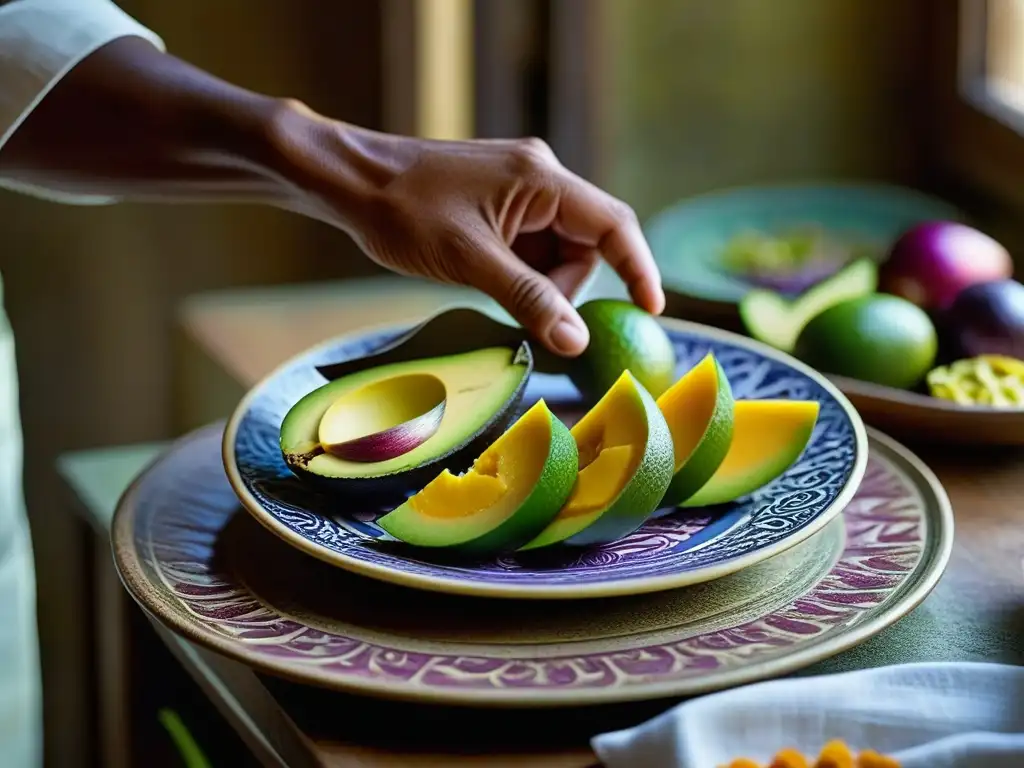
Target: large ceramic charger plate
(196,562)
(684,548)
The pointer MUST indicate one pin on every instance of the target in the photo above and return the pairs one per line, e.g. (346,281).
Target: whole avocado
(622,337)
(878,338)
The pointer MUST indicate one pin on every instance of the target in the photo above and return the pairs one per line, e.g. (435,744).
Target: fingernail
(569,338)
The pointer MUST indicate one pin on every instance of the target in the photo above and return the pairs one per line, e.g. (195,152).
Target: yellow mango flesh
(499,480)
(600,481)
(617,421)
(688,406)
(611,438)
(768,436)
(449,495)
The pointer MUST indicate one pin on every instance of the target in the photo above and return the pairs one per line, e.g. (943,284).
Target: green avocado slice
(510,494)
(768,437)
(771,318)
(482,391)
(626,464)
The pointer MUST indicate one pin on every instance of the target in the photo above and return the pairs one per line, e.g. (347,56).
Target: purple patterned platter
(197,562)
(686,547)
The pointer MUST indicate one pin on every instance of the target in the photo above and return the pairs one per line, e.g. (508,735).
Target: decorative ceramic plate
(663,554)
(193,559)
(689,238)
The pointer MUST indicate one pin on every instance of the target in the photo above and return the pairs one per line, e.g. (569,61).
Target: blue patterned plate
(686,547)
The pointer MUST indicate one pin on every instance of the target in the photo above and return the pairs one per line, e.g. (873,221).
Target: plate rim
(622,587)
(935,560)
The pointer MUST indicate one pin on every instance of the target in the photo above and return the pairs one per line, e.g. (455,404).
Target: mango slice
(512,491)
(699,411)
(626,461)
(768,436)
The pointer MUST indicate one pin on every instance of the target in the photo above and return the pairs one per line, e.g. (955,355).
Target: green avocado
(513,490)
(622,337)
(482,392)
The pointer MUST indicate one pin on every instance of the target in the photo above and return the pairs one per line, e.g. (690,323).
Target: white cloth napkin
(948,715)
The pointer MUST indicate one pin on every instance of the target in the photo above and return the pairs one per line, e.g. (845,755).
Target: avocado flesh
(768,437)
(512,491)
(478,385)
(625,456)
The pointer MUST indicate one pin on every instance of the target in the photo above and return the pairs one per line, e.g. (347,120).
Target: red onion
(931,263)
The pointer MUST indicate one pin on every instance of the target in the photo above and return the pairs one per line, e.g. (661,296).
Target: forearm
(131,121)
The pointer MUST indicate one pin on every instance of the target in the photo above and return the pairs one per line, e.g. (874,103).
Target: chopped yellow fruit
(789,758)
(600,481)
(449,495)
(993,380)
(836,755)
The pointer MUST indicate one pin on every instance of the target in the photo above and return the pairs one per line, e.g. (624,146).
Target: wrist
(342,169)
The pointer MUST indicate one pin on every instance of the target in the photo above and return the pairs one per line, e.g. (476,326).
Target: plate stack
(224,544)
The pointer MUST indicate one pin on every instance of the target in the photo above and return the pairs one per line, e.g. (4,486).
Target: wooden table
(229,342)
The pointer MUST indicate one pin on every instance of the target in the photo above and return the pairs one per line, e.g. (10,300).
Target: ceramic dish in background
(685,548)
(194,560)
(688,239)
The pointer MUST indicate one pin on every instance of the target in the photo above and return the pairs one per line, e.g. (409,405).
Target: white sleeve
(40,42)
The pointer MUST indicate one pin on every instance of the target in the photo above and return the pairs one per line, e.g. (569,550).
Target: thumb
(532,299)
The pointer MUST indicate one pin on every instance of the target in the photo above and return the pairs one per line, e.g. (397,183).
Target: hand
(504,217)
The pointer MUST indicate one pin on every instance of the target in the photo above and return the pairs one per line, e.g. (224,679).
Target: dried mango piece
(994,380)
(836,755)
(743,762)
(789,758)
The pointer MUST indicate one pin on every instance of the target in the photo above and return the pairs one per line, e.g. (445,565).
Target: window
(980,117)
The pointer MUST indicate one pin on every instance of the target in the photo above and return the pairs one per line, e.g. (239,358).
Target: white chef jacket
(40,42)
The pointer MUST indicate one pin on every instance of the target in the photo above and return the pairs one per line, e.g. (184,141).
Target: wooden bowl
(916,417)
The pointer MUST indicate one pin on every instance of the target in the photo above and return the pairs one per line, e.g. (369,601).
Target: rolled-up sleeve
(40,42)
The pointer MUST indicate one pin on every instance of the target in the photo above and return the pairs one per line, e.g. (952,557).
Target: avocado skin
(450,332)
(390,490)
(638,500)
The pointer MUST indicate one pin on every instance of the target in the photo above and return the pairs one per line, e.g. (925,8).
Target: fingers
(589,216)
(535,301)
(572,274)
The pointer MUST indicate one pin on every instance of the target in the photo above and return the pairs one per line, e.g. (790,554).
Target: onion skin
(390,443)
(987,319)
(931,263)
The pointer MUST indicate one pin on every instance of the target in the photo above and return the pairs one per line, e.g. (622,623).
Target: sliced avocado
(768,436)
(699,412)
(626,464)
(771,318)
(510,494)
(483,389)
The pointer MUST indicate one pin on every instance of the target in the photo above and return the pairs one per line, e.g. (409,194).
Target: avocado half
(483,390)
